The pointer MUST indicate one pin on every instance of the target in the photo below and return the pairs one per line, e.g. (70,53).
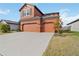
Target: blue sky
(68,12)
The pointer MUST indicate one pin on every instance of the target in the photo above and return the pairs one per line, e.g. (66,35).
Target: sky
(68,11)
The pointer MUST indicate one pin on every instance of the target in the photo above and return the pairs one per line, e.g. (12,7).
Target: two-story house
(33,20)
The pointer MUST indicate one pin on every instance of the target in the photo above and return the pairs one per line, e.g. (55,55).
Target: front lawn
(66,44)
(1,33)
(8,32)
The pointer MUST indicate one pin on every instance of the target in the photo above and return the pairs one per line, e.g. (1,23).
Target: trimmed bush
(4,28)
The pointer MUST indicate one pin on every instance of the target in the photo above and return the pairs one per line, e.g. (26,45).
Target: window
(23,13)
(26,12)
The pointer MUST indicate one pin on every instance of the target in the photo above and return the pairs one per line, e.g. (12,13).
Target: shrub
(4,28)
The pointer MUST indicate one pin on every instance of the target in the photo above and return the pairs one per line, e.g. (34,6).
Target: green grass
(66,44)
(1,33)
(6,33)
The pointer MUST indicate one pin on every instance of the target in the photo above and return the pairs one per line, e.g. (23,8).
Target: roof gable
(44,15)
(24,6)
(30,5)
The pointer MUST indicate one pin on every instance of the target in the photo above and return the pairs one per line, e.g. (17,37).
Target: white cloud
(66,18)
(4,12)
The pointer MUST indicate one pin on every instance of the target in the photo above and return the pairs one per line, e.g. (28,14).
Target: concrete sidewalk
(24,43)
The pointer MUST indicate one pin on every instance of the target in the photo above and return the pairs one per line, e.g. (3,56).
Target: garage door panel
(49,27)
(31,27)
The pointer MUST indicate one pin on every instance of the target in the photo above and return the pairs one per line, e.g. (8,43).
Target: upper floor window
(26,12)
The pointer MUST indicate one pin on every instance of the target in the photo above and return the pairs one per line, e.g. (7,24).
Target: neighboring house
(13,25)
(74,25)
(33,20)
(66,28)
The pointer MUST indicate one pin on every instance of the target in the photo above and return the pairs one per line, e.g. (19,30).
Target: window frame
(26,12)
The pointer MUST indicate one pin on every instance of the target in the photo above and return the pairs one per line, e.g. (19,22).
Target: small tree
(58,26)
(4,28)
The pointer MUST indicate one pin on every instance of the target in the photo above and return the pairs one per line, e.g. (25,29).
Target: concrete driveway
(24,43)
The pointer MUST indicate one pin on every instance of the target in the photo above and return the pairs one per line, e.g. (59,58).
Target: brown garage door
(49,27)
(31,27)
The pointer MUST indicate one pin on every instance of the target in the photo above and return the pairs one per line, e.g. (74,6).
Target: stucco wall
(39,25)
(32,26)
(43,24)
(14,27)
(24,9)
(75,26)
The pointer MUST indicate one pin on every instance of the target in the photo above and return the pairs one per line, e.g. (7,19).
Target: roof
(38,9)
(25,5)
(51,13)
(10,22)
(30,5)
(73,21)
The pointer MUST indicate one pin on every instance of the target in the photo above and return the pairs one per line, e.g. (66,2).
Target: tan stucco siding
(75,26)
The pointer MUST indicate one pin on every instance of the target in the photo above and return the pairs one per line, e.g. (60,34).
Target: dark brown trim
(22,27)
(30,23)
(22,7)
(48,22)
(51,13)
(29,20)
(73,22)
